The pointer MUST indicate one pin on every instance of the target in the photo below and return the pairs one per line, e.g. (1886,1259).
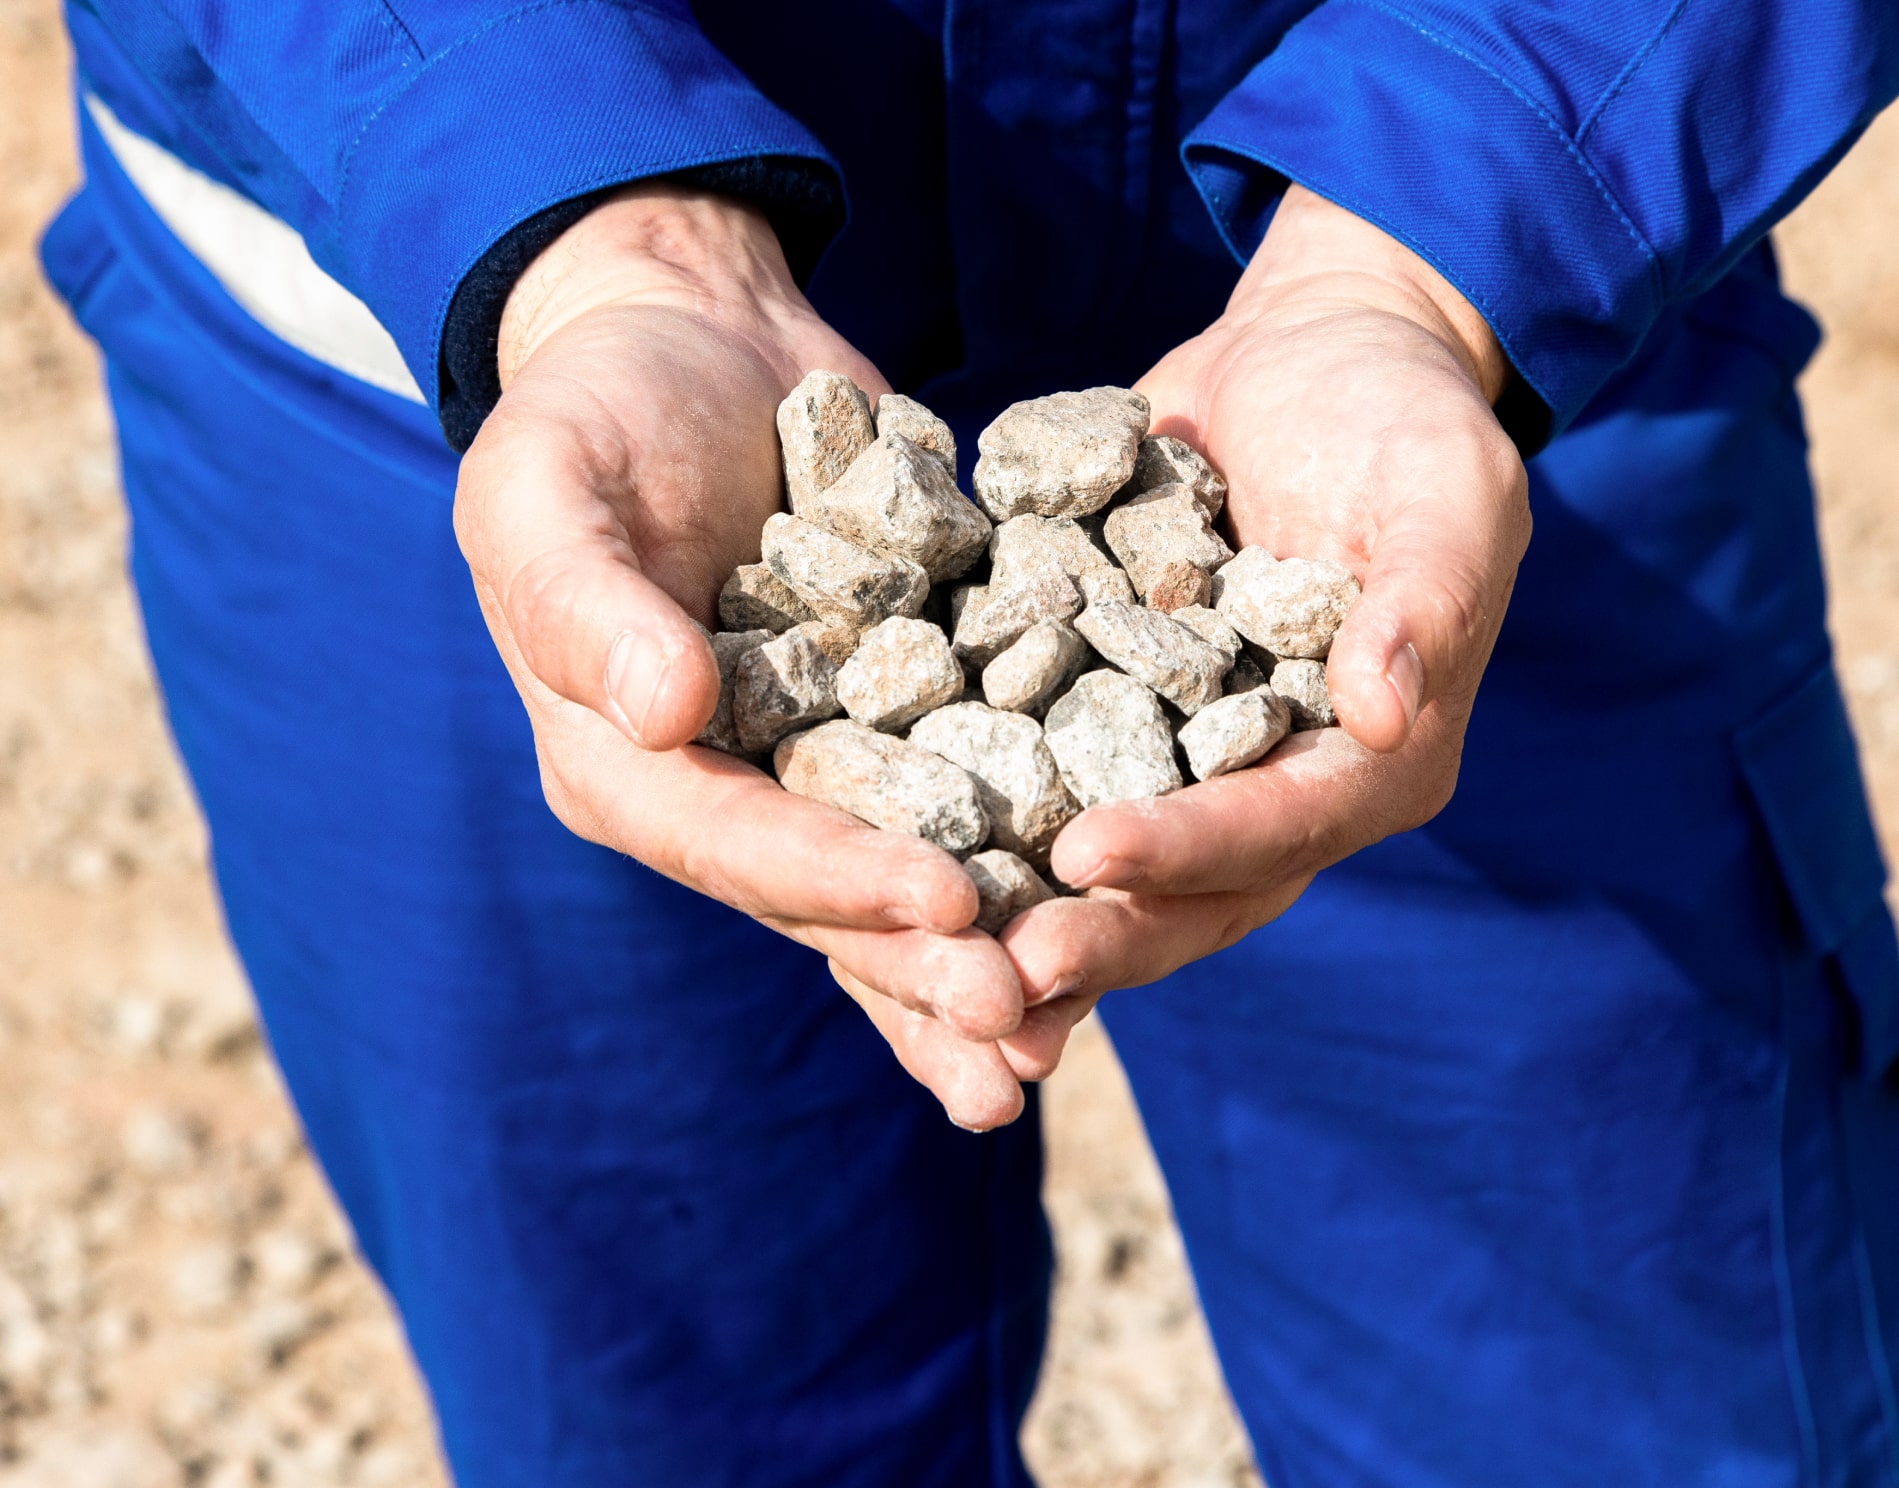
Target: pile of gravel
(1078,634)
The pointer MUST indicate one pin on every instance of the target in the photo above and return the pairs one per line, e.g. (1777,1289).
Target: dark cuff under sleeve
(802,199)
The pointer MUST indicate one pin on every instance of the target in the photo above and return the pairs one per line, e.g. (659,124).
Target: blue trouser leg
(1546,1145)
(654,1201)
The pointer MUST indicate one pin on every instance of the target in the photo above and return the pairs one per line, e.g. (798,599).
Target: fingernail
(1405,673)
(636,676)
(1109,873)
(1065,986)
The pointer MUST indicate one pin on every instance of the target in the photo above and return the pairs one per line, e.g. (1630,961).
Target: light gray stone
(1028,543)
(1163,461)
(1110,740)
(886,781)
(1234,732)
(1302,684)
(728,649)
(1064,455)
(898,500)
(1292,607)
(1159,651)
(1005,887)
(1016,777)
(842,582)
(995,616)
(1210,625)
(755,598)
(897,414)
(1158,533)
(784,685)
(900,671)
(823,424)
(1036,670)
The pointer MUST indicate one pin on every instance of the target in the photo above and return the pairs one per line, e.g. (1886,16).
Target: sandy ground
(178,1299)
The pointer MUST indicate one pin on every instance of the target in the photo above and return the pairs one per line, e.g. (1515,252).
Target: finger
(965,981)
(1111,939)
(1316,799)
(1035,1049)
(972,1080)
(1440,571)
(724,828)
(590,626)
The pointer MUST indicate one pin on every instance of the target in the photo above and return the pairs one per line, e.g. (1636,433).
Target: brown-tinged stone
(901,670)
(886,781)
(996,615)
(1157,533)
(755,598)
(897,414)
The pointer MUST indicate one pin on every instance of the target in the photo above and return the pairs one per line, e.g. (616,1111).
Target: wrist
(1318,257)
(654,243)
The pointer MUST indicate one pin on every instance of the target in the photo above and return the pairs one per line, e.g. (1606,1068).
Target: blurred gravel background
(179,1304)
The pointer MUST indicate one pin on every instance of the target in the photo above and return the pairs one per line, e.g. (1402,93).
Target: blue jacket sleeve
(405,138)
(1572,168)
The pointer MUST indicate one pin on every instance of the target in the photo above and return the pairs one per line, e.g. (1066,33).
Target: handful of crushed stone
(1078,633)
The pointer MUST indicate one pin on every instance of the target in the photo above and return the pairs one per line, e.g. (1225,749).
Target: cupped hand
(625,472)
(1346,395)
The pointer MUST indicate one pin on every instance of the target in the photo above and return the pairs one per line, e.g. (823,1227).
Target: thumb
(1435,589)
(597,631)
(569,603)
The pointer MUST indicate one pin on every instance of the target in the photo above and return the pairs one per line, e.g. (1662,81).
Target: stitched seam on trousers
(1876,1349)
(1798,1393)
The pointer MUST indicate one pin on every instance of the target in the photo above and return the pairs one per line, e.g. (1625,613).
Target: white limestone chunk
(1016,777)
(1036,670)
(823,424)
(842,582)
(786,684)
(1292,607)
(1210,625)
(1064,455)
(886,781)
(1159,651)
(1234,732)
(1164,461)
(995,615)
(897,414)
(1005,887)
(898,499)
(1111,741)
(1028,543)
(900,670)
(1302,684)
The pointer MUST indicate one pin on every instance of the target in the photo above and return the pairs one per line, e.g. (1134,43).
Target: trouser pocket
(1802,771)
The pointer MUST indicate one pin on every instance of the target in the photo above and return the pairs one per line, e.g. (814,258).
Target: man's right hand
(626,471)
